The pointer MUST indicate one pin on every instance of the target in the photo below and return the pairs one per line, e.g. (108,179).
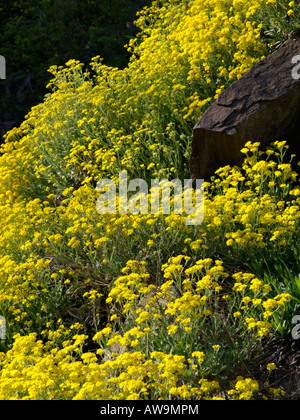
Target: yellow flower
(256,301)
(271,366)
(200,356)
(246,388)
(104,332)
(172,329)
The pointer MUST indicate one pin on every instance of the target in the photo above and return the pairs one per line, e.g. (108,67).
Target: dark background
(35,34)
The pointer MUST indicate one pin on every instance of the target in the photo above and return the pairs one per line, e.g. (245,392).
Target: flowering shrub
(128,363)
(174,308)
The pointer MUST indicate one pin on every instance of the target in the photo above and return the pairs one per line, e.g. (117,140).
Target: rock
(263,105)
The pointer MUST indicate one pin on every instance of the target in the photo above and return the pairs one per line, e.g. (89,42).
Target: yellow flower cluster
(119,369)
(248,283)
(250,203)
(31,370)
(153,292)
(244,389)
(139,118)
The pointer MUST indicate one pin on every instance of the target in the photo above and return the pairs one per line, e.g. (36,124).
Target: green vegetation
(144,306)
(36,34)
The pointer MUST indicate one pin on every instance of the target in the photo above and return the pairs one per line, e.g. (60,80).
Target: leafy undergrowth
(141,305)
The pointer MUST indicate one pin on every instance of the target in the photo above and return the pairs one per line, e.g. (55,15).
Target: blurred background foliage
(36,34)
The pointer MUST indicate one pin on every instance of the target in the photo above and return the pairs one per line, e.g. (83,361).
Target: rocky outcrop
(263,105)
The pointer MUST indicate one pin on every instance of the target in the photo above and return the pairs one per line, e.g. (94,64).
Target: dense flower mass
(169,310)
